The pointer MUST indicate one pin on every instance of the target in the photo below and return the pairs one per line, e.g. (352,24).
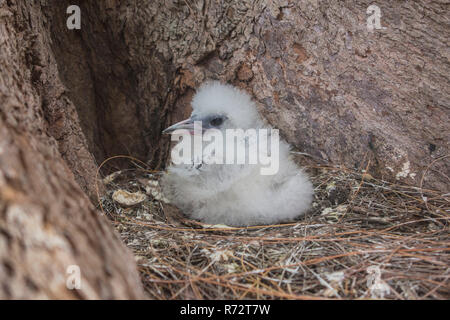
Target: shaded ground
(364,238)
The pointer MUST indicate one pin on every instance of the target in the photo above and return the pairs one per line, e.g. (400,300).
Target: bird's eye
(216,121)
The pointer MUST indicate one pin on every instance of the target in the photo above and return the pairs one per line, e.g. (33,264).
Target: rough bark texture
(121,85)
(336,90)
(71,98)
(47,222)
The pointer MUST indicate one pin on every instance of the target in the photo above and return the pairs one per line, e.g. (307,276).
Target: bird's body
(236,194)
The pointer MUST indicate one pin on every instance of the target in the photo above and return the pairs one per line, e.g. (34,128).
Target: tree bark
(47,223)
(335,89)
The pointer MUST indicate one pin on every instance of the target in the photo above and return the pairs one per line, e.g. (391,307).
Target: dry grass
(364,238)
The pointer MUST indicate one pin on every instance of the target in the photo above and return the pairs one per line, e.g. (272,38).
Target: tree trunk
(69,99)
(336,90)
(47,223)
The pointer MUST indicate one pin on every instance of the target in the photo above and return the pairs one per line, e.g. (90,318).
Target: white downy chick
(234,194)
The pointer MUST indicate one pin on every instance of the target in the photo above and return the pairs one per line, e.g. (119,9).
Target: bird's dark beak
(187,124)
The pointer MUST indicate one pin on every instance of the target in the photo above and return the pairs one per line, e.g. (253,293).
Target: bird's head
(220,106)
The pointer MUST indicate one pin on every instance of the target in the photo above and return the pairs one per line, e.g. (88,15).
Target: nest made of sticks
(364,238)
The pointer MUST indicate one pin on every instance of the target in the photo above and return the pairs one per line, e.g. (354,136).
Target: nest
(364,238)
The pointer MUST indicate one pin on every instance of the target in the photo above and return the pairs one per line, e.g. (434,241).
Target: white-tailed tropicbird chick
(234,194)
